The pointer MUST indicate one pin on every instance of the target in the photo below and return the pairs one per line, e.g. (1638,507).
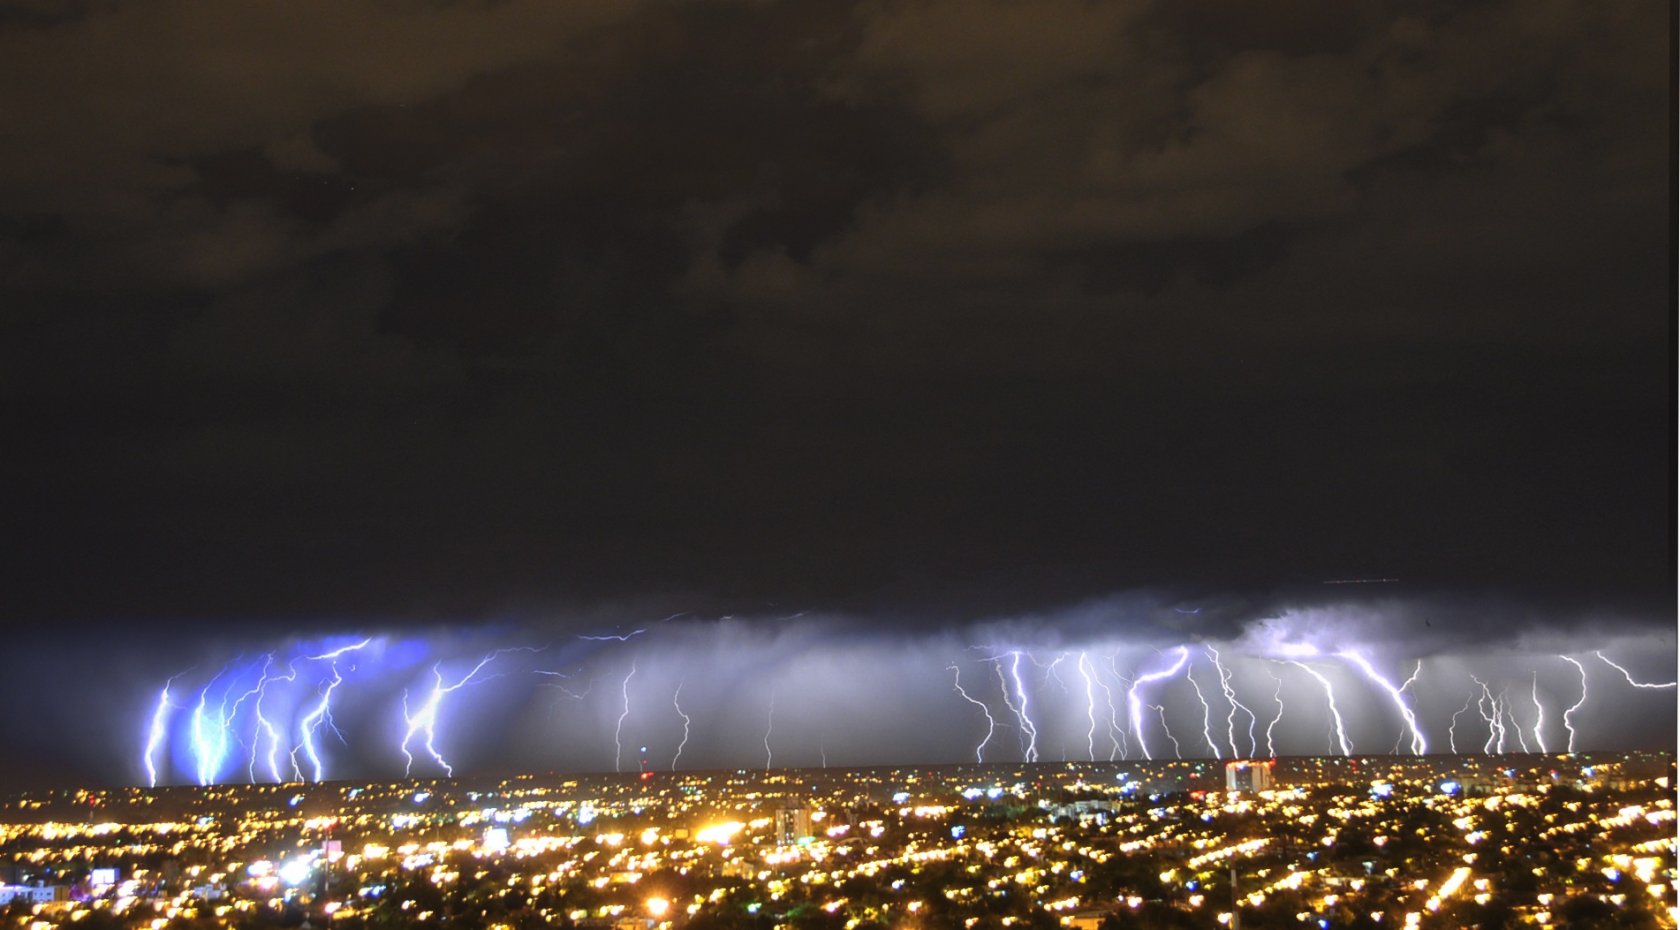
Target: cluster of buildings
(1379,841)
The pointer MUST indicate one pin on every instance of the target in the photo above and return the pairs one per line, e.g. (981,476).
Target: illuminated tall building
(792,825)
(1248,776)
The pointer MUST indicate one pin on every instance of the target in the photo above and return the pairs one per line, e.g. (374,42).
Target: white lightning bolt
(1135,707)
(1026,718)
(618,730)
(1522,739)
(1418,744)
(685,719)
(1231,699)
(991,722)
(1567,725)
(1452,737)
(1629,675)
(1330,697)
(1162,711)
(1277,695)
(1090,707)
(1539,712)
(1207,714)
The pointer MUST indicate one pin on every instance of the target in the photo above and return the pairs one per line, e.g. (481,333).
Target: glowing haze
(1107,681)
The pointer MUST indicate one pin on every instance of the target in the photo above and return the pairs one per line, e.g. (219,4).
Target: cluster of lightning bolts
(271,719)
(1145,724)
(213,729)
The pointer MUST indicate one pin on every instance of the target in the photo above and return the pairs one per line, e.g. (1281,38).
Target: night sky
(325,317)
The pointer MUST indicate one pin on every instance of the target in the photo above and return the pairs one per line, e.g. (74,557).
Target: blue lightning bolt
(159,732)
(614,637)
(266,727)
(1629,675)
(322,712)
(1418,744)
(209,739)
(686,721)
(991,722)
(425,720)
(1135,708)
(1330,698)
(1567,725)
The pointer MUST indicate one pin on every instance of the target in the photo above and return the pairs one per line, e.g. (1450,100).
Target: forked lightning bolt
(424,721)
(1134,706)
(1231,699)
(1419,746)
(991,722)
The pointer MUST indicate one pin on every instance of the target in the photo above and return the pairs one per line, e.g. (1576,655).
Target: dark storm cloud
(943,309)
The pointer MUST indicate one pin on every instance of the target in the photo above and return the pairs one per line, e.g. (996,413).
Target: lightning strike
(322,712)
(1135,707)
(1419,746)
(1231,699)
(1207,714)
(1277,696)
(769,727)
(1027,726)
(1522,738)
(209,739)
(1452,727)
(1567,725)
(991,722)
(1162,711)
(266,727)
(1539,712)
(158,735)
(686,721)
(618,729)
(1629,675)
(1330,698)
(1090,707)
(424,721)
